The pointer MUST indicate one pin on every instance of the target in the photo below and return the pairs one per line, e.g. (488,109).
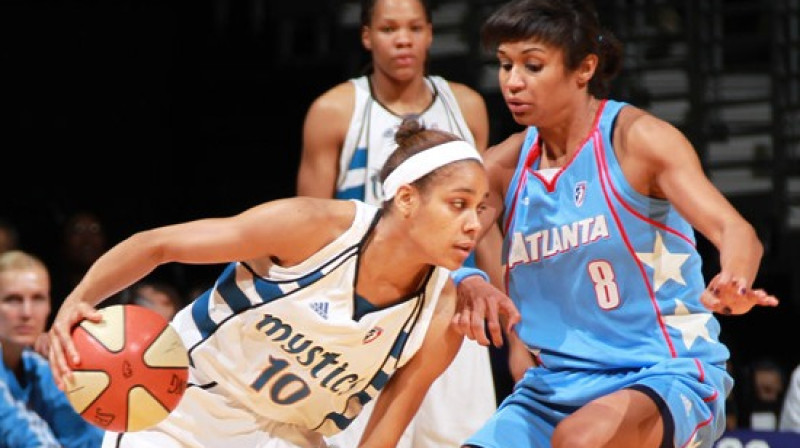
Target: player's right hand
(71,313)
(480,308)
(731,295)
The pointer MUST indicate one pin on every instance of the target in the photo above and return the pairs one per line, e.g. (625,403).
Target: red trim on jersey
(696,428)
(603,180)
(702,378)
(701,372)
(532,155)
(630,209)
(550,184)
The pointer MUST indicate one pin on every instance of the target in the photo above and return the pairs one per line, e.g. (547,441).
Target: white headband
(424,162)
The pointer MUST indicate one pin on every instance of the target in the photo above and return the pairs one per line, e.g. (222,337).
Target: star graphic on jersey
(691,325)
(666,265)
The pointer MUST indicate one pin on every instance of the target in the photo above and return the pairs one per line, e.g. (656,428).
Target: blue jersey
(35,413)
(603,276)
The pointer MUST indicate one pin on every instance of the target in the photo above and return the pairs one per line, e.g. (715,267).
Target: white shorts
(458,403)
(207,420)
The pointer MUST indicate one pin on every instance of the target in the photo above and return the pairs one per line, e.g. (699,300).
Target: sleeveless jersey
(467,383)
(297,345)
(370,138)
(603,276)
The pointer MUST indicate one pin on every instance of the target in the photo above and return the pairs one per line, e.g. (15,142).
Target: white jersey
(467,384)
(370,138)
(298,346)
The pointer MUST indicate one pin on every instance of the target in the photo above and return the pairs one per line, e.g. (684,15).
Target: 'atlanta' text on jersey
(545,243)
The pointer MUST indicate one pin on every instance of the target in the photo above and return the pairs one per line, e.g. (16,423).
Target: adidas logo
(320,308)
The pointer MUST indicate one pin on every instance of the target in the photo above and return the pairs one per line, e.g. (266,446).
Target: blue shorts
(690,394)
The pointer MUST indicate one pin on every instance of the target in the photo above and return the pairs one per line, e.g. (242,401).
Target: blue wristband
(461,273)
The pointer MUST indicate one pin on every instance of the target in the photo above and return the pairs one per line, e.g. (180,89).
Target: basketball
(133,369)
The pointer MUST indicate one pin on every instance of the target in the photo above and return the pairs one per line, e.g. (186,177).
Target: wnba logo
(373,334)
(580,193)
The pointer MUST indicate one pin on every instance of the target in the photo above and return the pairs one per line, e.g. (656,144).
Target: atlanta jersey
(587,255)
(608,283)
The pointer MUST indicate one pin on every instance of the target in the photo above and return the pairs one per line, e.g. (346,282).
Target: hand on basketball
(730,295)
(480,308)
(61,346)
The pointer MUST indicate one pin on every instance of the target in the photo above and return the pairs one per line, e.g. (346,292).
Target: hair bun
(408,128)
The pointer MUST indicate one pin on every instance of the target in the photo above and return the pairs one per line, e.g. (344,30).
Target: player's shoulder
(633,121)
(504,155)
(641,132)
(463,92)
(510,145)
(338,99)
(337,214)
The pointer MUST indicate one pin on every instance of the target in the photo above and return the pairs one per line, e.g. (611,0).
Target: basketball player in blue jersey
(598,203)
(325,303)
(348,135)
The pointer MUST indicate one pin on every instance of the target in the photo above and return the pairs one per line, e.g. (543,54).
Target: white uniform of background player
(462,398)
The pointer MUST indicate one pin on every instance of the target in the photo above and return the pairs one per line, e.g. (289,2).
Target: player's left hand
(726,294)
(71,313)
(481,308)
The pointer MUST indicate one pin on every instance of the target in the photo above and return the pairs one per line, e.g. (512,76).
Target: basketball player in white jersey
(324,303)
(348,135)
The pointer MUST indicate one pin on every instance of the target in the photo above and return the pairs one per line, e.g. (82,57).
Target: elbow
(148,242)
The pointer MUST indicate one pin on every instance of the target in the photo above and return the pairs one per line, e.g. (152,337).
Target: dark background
(154,112)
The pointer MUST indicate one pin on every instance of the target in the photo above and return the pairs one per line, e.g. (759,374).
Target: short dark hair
(571,25)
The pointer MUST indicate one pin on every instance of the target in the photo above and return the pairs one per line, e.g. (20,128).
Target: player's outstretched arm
(258,235)
(679,177)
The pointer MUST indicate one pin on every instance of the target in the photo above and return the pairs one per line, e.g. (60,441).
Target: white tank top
(370,138)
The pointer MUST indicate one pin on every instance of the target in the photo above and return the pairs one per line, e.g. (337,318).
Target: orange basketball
(133,369)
